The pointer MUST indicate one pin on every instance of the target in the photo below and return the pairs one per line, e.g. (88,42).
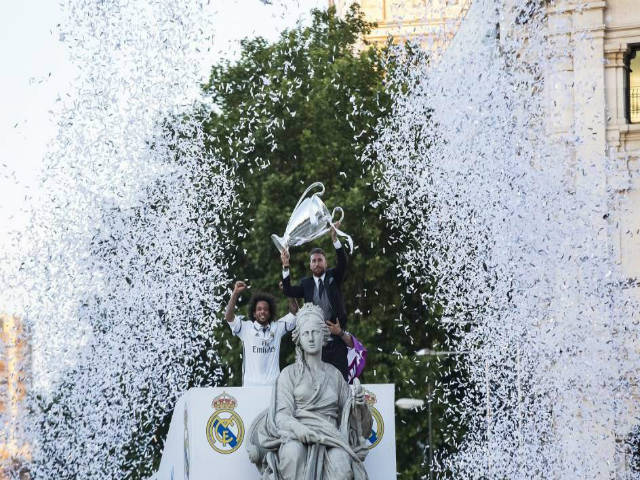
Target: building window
(633,85)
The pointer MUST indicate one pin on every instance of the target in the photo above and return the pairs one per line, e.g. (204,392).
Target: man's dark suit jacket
(335,352)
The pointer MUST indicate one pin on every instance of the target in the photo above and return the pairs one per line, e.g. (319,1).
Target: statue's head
(311,332)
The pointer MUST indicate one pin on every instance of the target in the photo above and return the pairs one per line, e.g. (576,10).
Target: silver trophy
(310,219)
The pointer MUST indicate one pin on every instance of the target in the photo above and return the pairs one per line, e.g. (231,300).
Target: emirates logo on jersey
(264,349)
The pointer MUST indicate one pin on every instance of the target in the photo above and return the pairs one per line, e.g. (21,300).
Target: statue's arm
(364,416)
(360,412)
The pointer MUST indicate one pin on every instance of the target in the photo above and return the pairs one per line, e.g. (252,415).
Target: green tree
(301,110)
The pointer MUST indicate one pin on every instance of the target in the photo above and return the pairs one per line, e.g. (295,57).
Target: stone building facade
(593,94)
(429,22)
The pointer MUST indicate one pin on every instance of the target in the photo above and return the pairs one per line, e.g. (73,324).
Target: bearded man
(323,288)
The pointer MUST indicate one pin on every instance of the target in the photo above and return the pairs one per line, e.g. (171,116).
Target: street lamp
(428,352)
(409,403)
(424,352)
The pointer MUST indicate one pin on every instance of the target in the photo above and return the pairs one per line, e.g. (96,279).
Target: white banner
(208,434)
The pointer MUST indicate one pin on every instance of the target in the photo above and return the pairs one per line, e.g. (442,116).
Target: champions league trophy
(310,219)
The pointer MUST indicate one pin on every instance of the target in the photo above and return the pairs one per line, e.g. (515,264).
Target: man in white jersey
(260,336)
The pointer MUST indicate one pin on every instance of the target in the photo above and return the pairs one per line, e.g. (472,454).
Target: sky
(35,71)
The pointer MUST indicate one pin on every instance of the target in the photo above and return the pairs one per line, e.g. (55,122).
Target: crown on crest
(224,401)
(370,398)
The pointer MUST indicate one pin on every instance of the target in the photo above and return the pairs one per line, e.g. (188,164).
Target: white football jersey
(261,348)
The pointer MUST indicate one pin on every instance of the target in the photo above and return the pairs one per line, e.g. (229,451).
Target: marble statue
(315,426)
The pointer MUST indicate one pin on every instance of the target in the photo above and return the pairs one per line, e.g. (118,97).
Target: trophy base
(279,242)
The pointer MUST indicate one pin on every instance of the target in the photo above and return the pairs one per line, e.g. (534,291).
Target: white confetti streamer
(122,260)
(522,253)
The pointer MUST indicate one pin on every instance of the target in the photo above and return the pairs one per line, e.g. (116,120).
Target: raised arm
(238,288)
(341,267)
(291,291)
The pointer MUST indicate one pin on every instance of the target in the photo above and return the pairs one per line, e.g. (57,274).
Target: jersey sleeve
(237,326)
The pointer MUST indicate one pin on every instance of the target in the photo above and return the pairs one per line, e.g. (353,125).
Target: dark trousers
(335,353)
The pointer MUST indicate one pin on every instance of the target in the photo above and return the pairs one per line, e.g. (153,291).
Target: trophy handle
(309,188)
(333,214)
(279,242)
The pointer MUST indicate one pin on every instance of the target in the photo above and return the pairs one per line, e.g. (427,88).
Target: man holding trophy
(323,289)
(311,219)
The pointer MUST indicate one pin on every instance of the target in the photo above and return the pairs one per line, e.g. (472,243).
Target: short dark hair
(317,250)
(262,297)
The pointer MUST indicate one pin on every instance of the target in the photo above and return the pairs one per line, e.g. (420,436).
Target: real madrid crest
(225,430)
(377,429)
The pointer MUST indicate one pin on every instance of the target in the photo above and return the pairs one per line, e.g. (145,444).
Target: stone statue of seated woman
(315,426)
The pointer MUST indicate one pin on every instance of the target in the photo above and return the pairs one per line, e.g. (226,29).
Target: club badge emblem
(225,430)
(377,429)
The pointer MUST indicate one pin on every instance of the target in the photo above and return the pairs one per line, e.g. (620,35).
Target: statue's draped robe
(326,407)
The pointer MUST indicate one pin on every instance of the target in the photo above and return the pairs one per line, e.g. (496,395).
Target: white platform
(206,442)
